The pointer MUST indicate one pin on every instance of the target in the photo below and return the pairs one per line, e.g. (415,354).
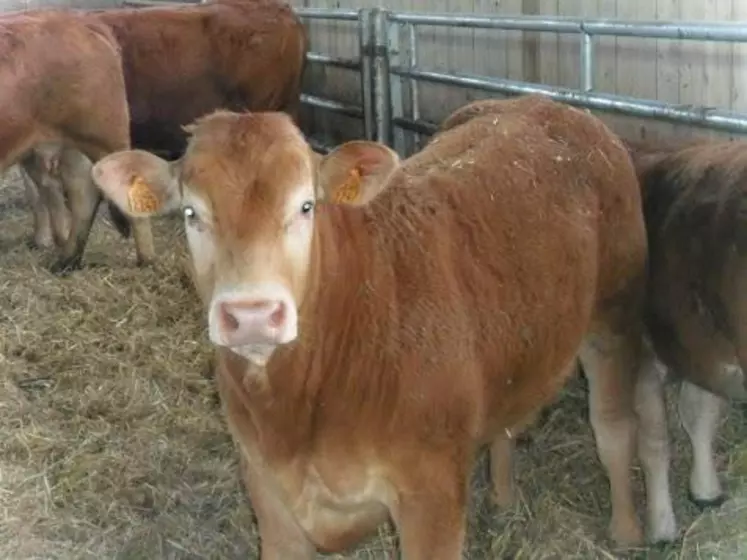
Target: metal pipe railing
(701,116)
(706,31)
(381,68)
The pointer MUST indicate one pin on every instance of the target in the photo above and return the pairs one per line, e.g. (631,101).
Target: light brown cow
(376,329)
(695,203)
(181,62)
(61,81)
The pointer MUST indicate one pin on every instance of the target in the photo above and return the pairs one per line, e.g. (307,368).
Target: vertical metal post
(366,52)
(414,92)
(396,89)
(587,62)
(382,89)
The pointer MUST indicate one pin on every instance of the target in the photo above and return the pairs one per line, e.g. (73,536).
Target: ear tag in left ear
(350,189)
(141,197)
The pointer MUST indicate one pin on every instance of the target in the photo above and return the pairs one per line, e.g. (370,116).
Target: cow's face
(248,186)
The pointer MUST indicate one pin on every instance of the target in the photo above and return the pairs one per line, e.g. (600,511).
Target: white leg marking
(653,451)
(700,412)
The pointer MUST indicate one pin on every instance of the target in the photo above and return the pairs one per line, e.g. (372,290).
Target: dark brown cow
(181,62)
(61,80)
(368,345)
(695,203)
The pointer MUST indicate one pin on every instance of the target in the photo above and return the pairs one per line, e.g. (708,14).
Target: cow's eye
(307,207)
(189,213)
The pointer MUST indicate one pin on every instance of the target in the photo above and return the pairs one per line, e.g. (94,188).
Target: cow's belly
(339,518)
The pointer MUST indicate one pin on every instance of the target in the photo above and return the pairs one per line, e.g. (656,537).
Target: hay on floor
(113,444)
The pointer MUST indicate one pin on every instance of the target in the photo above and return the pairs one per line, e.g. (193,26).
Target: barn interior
(113,444)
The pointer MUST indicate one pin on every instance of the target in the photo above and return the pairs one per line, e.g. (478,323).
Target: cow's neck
(304,384)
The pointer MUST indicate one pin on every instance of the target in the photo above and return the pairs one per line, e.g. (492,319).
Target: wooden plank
(548,62)
(605,48)
(489,57)
(636,64)
(738,97)
(569,47)
(532,45)
(692,61)
(513,41)
(718,61)
(668,59)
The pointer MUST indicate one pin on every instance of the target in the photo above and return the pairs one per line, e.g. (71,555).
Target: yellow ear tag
(141,197)
(350,189)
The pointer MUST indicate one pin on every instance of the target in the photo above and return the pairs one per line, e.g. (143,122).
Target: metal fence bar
(328,14)
(584,97)
(705,31)
(366,53)
(346,63)
(587,62)
(414,88)
(699,116)
(382,92)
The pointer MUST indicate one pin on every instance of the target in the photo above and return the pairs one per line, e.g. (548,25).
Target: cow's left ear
(139,183)
(355,172)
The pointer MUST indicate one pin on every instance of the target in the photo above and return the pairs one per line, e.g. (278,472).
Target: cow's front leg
(281,538)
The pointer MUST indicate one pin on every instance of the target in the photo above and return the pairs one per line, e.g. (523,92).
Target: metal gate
(385,71)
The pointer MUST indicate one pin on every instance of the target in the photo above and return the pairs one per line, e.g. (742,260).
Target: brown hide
(62,85)
(442,314)
(181,62)
(438,311)
(61,81)
(695,203)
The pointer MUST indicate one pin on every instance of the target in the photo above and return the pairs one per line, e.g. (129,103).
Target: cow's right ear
(139,183)
(355,172)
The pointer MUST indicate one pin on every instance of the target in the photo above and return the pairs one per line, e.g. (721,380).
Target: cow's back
(54,67)
(183,62)
(495,235)
(556,153)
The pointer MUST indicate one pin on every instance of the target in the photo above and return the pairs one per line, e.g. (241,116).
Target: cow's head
(247,185)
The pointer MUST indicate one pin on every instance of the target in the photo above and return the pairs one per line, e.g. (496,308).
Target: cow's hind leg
(653,448)
(84,200)
(42,237)
(700,412)
(501,470)
(610,358)
(41,166)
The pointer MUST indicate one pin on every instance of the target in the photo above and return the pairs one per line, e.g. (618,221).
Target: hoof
(64,267)
(503,500)
(702,505)
(524,440)
(662,545)
(145,263)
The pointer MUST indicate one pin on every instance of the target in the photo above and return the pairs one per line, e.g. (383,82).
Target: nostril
(277,315)
(229,322)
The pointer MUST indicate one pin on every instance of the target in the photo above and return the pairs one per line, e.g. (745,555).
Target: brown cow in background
(377,328)
(61,82)
(181,62)
(695,203)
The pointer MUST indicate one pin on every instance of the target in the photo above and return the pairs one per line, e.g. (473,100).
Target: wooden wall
(682,72)
(16,5)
